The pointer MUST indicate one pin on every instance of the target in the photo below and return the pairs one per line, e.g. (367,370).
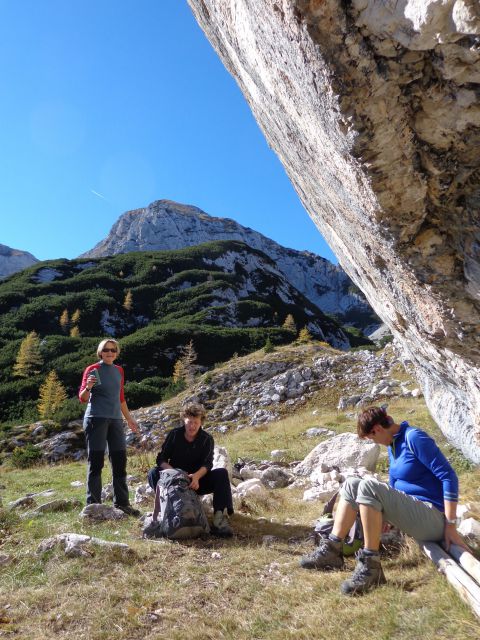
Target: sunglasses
(109,351)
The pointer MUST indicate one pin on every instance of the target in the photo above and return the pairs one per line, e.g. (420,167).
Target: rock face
(13,260)
(373,109)
(170,225)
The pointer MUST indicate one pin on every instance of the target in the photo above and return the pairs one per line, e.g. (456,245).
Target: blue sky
(108,105)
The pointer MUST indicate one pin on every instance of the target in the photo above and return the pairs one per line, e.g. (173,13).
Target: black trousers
(100,432)
(215,481)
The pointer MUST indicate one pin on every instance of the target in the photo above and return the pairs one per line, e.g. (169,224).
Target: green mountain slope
(225,296)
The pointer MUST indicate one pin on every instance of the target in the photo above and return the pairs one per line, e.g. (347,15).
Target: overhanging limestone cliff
(373,108)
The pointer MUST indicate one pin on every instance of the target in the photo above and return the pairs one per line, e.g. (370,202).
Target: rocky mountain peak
(166,225)
(13,260)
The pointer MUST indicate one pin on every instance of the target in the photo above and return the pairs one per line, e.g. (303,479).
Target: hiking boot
(367,575)
(327,556)
(129,510)
(221,525)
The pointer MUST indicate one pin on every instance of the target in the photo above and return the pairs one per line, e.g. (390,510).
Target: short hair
(369,418)
(103,343)
(193,410)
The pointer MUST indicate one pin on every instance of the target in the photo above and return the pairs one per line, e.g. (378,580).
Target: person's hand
(451,536)
(133,424)
(91,380)
(194,484)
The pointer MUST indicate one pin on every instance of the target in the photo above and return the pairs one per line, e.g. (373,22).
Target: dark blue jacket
(419,468)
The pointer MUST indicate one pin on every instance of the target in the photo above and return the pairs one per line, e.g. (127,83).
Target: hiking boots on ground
(327,556)
(367,575)
(129,510)
(221,525)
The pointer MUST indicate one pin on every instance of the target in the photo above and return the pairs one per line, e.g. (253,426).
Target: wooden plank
(467,588)
(467,561)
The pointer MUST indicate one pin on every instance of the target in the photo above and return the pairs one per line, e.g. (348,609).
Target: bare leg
(372,521)
(344,519)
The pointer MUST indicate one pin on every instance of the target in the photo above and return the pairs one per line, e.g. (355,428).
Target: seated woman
(421,500)
(190,448)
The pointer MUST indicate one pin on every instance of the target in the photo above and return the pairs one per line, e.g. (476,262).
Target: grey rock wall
(373,108)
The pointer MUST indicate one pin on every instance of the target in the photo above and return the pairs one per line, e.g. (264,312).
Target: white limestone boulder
(342,451)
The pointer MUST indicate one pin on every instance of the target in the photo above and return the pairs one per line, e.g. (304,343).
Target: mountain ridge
(166,225)
(13,260)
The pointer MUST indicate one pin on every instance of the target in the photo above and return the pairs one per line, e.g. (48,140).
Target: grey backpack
(178,513)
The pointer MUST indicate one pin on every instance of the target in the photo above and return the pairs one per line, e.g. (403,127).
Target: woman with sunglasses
(102,389)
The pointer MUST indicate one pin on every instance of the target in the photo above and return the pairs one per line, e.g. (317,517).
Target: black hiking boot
(221,525)
(367,575)
(326,557)
(129,510)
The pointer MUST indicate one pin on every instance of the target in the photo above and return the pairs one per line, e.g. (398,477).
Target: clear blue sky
(108,105)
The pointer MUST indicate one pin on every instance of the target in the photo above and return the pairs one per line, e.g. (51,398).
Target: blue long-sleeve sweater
(419,468)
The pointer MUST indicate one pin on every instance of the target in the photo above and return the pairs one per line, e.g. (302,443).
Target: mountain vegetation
(220,298)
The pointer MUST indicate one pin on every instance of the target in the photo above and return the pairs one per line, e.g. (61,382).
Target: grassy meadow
(247,587)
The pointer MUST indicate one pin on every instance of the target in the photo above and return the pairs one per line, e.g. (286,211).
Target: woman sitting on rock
(421,500)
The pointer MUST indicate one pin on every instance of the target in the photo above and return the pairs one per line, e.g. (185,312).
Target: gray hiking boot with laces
(368,574)
(221,526)
(327,556)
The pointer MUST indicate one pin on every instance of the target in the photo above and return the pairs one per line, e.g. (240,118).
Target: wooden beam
(467,588)
(467,561)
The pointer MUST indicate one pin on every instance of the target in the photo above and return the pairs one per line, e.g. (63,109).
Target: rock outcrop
(170,225)
(372,106)
(13,260)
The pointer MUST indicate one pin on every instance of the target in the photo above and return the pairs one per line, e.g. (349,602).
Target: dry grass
(246,590)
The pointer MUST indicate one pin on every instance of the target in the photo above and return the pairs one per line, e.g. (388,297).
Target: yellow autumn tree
(64,320)
(290,324)
(128,302)
(52,396)
(29,358)
(304,335)
(76,316)
(74,332)
(178,371)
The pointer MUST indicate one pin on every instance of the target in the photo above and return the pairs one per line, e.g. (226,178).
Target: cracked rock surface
(373,108)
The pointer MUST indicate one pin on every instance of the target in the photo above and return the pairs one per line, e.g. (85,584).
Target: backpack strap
(156,508)
(328,508)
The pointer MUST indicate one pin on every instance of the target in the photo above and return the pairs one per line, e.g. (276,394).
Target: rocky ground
(247,392)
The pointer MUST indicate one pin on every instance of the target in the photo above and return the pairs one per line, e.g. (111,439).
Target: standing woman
(102,389)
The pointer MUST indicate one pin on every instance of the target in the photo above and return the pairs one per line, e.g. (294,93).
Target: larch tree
(290,324)
(29,358)
(52,396)
(64,320)
(128,302)
(305,335)
(178,371)
(189,359)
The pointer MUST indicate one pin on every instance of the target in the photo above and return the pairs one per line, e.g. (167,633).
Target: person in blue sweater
(420,499)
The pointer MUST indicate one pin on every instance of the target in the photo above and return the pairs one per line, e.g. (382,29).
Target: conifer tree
(128,302)
(178,371)
(268,348)
(29,358)
(52,396)
(188,359)
(304,335)
(290,324)
(64,320)
(75,332)
(76,316)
